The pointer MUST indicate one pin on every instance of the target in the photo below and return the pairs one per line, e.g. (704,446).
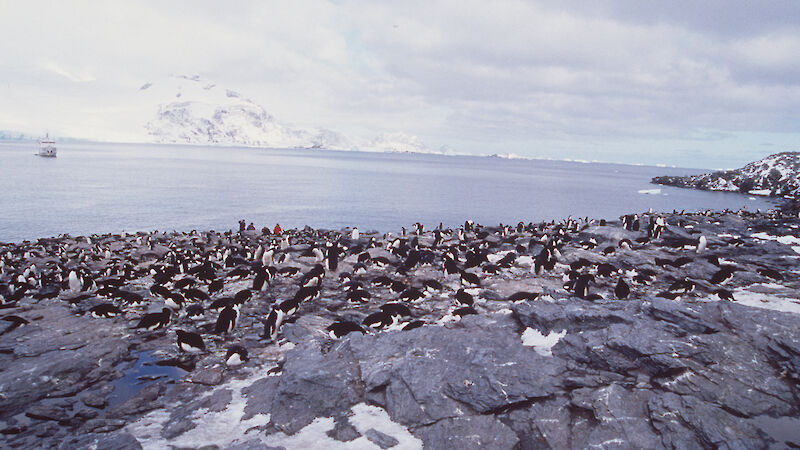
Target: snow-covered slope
(190,110)
(777,174)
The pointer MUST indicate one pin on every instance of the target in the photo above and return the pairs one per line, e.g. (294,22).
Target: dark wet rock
(382,440)
(259,396)
(473,432)
(117,441)
(314,385)
(343,430)
(211,376)
(94,400)
(253,444)
(145,400)
(45,412)
(63,362)
(686,422)
(641,373)
(102,425)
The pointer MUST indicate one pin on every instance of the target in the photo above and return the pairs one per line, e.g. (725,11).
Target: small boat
(47,147)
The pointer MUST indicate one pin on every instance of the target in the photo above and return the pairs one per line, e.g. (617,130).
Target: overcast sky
(688,83)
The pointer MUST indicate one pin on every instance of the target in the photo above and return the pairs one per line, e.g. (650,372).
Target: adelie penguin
(236,356)
(622,290)
(332,256)
(105,310)
(341,328)
(190,342)
(226,320)
(154,321)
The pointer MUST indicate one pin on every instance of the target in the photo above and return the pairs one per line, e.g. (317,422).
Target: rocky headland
(776,175)
(654,331)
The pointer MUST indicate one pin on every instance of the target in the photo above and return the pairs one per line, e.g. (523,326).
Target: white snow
(541,343)
(768,296)
(364,418)
(219,428)
(792,241)
(650,191)
(760,192)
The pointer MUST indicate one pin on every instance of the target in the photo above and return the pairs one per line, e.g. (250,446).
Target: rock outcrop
(775,175)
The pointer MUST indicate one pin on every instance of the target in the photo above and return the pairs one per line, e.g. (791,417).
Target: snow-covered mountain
(190,110)
(777,174)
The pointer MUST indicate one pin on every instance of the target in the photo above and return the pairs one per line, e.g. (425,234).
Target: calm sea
(98,188)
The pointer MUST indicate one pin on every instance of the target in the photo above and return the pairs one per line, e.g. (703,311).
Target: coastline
(664,364)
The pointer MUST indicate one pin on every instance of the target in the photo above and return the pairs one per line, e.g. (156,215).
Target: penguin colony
(206,290)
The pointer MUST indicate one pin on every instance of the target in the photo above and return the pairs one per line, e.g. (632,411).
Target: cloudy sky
(700,84)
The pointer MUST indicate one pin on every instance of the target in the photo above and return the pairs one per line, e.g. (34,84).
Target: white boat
(47,147)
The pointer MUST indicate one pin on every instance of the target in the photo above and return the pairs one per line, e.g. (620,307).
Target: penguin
(413,324)
(464,311)
(396,309)
(305,294)
(195,311)
(226,320)
(266,258)
(581,286)
(702,243)
(75,281)
(523,295)
(216,286)
(272,323)
(470,279)
(724,294)
(723,275)
(358,296)
(464,298)
(341,328)
(622,290)
(332,256)
(450,267)
(154,321)
(190,342)
(431,285)
(236,355)
(379,320)
(174,301)
(313,277)
(105,310)
(355,235)
(411,294)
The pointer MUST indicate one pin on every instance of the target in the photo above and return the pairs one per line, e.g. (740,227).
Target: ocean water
(100,188)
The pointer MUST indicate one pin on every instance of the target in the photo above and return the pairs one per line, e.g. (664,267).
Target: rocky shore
(776,175)
(670,330)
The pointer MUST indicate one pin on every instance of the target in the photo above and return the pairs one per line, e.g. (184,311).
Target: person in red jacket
(277,229)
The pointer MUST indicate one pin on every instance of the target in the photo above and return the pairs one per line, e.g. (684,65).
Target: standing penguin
(622,290)
(226,320)
(355,235)
(702,243)
(332,256)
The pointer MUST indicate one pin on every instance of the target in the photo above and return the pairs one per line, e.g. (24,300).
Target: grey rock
(117,441)
(47,412)
(211,376)
(343,430)
(382,440)
(259,396)
(471,432)
(314,385)
(252,444)
(94,400)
